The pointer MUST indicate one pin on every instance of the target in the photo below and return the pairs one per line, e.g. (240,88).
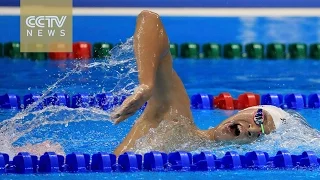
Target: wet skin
(167,99)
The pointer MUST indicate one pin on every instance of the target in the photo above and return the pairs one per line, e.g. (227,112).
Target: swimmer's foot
(132,104)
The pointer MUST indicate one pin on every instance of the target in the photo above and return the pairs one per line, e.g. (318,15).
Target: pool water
(90,131)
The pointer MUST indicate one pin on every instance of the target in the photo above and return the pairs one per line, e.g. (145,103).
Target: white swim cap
(278,115)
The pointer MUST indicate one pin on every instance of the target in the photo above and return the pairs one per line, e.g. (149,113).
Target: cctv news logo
(48,23)
(49,26)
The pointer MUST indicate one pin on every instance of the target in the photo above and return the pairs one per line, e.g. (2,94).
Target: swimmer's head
(248,125)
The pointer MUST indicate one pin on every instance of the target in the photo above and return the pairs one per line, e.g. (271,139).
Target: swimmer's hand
(132,104)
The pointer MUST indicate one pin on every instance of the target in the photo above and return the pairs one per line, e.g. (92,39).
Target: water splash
(117,74)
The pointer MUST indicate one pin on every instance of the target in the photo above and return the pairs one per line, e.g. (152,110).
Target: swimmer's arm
(150,45)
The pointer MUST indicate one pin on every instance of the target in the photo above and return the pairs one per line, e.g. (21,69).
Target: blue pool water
(90,131)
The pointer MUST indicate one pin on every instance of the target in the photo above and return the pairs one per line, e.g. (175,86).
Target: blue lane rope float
(10,101)
(107,101)
(314,101)
(272,99)
(295,101)
(50,162)
(202,101)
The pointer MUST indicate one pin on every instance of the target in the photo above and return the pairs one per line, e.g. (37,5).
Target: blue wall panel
(187,29)
(184,3)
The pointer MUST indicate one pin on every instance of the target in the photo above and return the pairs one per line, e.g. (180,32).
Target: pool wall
(186,3)
(202,21)
(186,29)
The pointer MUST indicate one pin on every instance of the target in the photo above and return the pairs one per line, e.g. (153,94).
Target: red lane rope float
(227,102)
(224,101)
(82,50)
(59,53)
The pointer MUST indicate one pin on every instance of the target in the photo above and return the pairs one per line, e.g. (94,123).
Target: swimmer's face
(241,127)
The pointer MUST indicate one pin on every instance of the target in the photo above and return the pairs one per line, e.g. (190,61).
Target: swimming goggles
(258,119)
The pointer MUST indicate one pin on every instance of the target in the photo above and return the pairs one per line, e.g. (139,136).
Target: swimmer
(161,87)
(168,104)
